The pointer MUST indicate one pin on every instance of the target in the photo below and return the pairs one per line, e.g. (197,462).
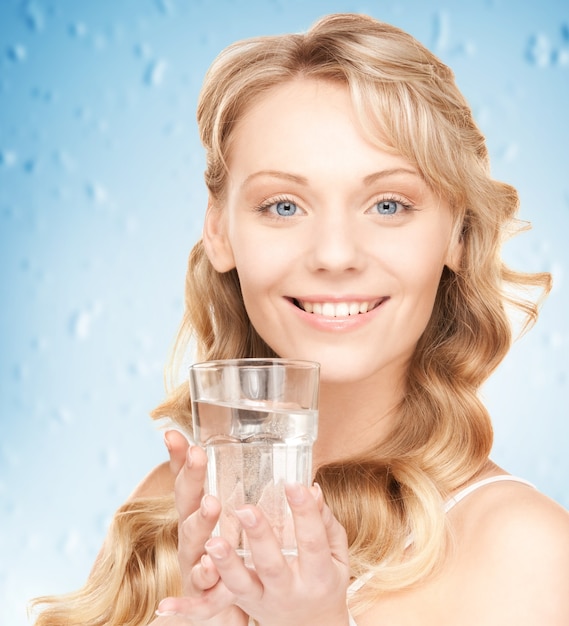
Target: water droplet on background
(508,153)
(561,57)
(97,193)
(30,166)
(441,29)
(77,30)
(20,372)
(165,6)
(17,53)
(110,458)
(34,16)
(71,543)
(8,158)
(143,51)
(81,322)
(154,75)
(539,51)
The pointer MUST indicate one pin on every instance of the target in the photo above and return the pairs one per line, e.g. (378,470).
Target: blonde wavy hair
(407,102)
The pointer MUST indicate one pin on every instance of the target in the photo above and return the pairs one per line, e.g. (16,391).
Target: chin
(343,374)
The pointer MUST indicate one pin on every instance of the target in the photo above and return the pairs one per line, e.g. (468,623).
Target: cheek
(420,271)
(256,280)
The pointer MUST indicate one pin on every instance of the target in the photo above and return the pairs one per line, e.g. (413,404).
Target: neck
(354,417)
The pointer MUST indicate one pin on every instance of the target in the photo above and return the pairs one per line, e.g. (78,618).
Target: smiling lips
(338,309)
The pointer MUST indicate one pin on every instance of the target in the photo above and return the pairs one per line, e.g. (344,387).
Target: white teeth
(337,309)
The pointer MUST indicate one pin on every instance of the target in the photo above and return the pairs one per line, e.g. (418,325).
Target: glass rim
(257,362)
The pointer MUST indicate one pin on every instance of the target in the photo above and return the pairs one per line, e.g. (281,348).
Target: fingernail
(163,610)
(316,492)
(167,442)
(216,550)
(203,506)
(295,493)
(246,517)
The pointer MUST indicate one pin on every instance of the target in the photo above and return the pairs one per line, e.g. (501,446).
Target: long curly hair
(407,102)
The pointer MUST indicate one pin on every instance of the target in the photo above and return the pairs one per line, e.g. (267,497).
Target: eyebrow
(302,180)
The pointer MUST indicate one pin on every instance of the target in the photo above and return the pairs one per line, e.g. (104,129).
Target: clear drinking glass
(257,420)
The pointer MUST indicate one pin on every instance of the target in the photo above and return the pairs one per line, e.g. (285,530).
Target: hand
(309,589)
(177,446)
(206,600)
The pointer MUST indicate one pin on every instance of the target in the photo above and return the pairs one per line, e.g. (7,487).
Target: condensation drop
(71,543)
(34,16)
(8,158)
(80,325)
(138,368)
(109,459)
(508,153)
(441,29)
(17,53)
(539,51)
(62,417)
(100,41)
(561,57)
(30,166)
(555,339)
(39,344)
(20,371)
(77,29)
(155,71)
(81,322)
(143,50)
(97,193)
(165,6)
(64,160)
(43,95)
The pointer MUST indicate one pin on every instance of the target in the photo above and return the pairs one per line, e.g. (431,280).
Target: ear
(455,250)
(215,239)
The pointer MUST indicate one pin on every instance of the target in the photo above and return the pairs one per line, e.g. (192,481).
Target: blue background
(101,198)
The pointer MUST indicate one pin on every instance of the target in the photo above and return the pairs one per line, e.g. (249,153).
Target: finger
(236,577)
(271,566)
(194,531)
(314,551)
(204,575)
(207,605)
(177,446)
(316,492)
(337,536)
(190,481)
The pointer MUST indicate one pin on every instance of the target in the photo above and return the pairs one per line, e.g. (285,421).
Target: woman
(352,221)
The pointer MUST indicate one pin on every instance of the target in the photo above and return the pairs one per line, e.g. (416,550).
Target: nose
(336,244)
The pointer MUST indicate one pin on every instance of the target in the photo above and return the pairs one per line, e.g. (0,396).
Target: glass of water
(257,420)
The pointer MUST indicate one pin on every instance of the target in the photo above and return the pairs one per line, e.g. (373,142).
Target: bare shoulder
(158,482)
(512,551)
(504,514)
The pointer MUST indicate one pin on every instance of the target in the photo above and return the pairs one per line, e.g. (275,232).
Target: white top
(362,580)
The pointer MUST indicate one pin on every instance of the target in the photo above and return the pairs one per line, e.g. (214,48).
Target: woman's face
(339,246)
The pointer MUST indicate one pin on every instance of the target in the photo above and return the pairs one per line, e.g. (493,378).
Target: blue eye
(387,207)
(285,208)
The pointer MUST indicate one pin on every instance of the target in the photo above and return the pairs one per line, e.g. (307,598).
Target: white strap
(481,483)
(362,580)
